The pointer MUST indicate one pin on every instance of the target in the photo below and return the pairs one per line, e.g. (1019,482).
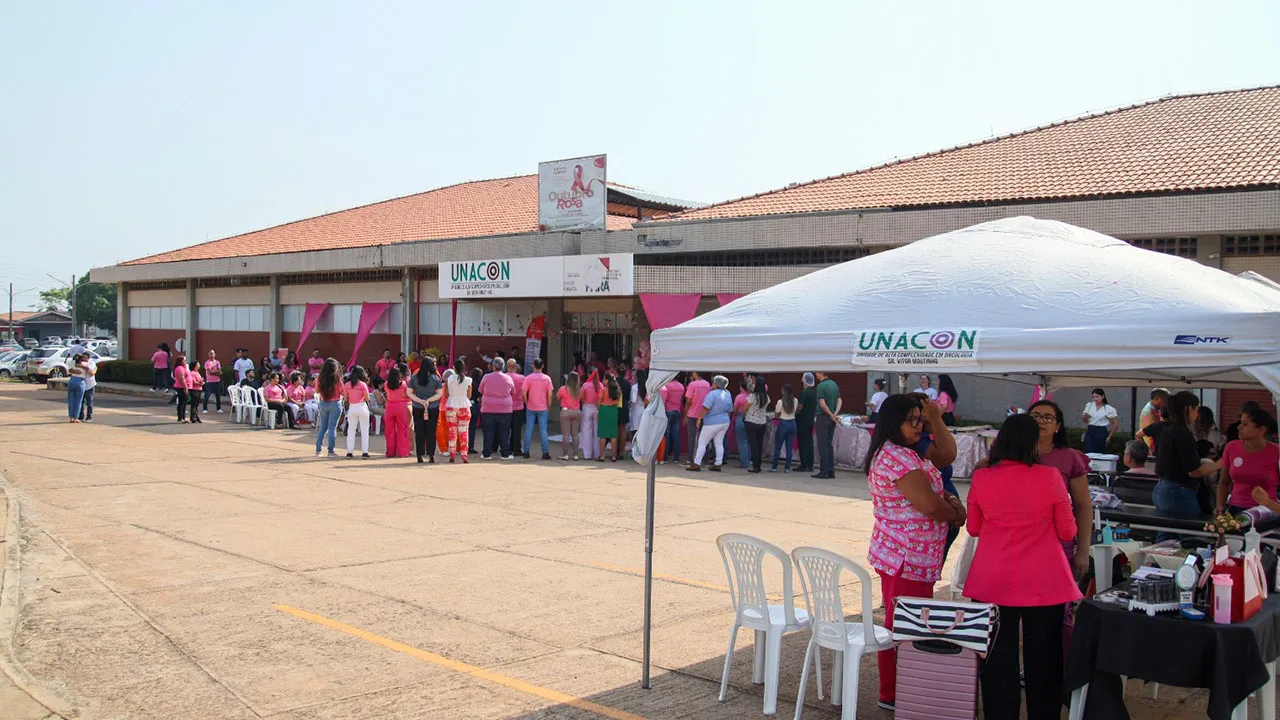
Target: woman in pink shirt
(296,395)
(570,417)
(1022,513)
(673,400)
(911,510)
(397,415)
(496,389)
(195,384)
(180,386)
(212,381)
(160,378)
(590,402)
(277,399)
(356,393)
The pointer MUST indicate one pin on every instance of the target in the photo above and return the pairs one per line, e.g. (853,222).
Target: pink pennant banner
(726,298)
(309,320)
(370,314)
(666,311)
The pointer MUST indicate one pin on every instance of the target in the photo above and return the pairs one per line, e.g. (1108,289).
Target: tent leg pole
(648,568)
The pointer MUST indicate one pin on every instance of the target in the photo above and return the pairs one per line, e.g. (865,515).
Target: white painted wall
(256,295)
(340,293)
(157,298)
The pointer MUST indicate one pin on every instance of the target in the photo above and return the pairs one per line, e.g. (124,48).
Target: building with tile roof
(1192,175)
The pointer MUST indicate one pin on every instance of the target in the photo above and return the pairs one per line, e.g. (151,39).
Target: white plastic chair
(237,405)
(268,415)
(820,579)
(752,610)
(960,571)
(250,398)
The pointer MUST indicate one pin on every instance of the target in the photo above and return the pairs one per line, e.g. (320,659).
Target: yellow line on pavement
(464,668)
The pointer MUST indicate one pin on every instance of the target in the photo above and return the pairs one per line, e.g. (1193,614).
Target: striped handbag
(967,624)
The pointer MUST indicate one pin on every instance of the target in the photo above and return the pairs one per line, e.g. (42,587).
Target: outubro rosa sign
(917,347)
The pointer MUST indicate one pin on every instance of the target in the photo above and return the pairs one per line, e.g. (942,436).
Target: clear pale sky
(133,128)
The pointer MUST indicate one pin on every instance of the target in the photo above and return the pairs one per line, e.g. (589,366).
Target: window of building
(1181,246)
(1250,245)
(488,319)
(341,319)
(238,318)
(158,318)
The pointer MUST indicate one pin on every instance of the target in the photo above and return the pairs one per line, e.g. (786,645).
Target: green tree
(58,299)
(95,302)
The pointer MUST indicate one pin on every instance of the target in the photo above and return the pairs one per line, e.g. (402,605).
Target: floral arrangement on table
(1223,523)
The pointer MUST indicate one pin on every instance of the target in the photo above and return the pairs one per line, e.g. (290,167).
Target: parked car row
(46,362)
(14,363)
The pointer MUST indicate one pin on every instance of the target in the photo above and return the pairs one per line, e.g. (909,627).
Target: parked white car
(46,362)
(14,364)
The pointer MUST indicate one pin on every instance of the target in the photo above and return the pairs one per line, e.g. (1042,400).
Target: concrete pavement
(220,571)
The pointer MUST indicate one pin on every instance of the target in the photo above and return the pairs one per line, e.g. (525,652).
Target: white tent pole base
(650,485)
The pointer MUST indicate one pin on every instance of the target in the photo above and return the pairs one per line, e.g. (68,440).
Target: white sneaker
(219,412)
(508,457)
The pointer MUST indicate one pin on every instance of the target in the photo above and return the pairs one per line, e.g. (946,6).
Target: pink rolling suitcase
(937,680)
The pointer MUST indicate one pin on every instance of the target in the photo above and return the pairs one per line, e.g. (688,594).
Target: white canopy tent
(1032,300)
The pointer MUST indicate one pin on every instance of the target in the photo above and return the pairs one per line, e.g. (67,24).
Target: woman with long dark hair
(396,415)
(1073,466)
(329,388)
(180,389)
(1178,464)
(756,419)
(457,410)
(912,513)
(1021,511)
(786,413)
(1249,464)
(589,399)
(1101,422)
(356,393)
(76,374)
(570,417)
(425,390)
(947,399)
(607,417)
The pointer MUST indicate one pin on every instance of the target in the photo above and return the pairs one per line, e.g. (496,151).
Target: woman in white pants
(357,395)
(714,423)
(590,401)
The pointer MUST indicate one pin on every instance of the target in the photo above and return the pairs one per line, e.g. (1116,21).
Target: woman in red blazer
(1022,514)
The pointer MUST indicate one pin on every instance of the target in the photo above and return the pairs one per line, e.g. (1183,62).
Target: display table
(1232,661)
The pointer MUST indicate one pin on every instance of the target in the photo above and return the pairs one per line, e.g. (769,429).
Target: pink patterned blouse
(904,540)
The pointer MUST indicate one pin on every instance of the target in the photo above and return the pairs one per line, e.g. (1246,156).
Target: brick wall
(142,343)
(1230,401)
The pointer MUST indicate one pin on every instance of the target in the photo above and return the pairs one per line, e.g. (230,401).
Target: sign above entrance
(572,194)
(558,276)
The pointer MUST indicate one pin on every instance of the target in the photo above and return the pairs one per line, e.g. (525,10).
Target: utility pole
(11,335)
(75,328)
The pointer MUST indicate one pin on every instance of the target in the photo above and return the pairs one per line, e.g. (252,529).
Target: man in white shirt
(873,405)
(242,364)
(926,387)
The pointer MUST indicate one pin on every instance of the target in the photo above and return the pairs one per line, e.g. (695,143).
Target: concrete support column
(275,316)
(553,346)
(408,311)
(122,319)
(193,320)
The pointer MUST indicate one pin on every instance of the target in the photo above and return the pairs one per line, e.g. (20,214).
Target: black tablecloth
(1151,516)
(1230,660)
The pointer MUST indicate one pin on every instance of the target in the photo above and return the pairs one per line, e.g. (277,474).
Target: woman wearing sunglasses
(1074,467)
(912,513)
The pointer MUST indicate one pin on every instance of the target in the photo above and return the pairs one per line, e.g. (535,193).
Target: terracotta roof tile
(471,209)
(1213,141)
